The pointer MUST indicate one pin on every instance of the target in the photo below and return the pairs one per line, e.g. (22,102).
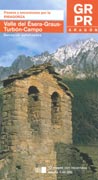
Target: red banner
(22,26)
(82,16)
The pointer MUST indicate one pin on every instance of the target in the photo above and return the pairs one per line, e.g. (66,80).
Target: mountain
(76,60)
(80,59)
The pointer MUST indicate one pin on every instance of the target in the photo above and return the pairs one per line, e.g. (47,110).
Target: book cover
(48,90)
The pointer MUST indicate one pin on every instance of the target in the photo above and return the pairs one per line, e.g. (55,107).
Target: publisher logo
(82,16)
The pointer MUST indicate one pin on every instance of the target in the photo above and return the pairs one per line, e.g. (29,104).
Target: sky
(11,47)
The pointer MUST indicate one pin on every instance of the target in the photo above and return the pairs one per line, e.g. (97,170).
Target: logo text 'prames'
(82,16)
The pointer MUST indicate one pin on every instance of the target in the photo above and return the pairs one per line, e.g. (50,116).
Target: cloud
(36,44)
(27,42)
(7,59)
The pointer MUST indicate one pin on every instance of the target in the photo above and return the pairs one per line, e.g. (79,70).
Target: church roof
(34,70)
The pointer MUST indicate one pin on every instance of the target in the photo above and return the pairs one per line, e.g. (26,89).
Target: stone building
(36,120)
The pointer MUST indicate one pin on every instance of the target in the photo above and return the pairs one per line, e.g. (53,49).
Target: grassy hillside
(92,151)
(85,110)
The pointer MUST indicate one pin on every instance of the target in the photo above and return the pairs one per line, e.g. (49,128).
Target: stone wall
(29,136)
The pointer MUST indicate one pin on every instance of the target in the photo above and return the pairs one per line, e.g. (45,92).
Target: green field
(92,151)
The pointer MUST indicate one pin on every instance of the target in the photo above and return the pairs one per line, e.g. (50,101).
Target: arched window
(34,109)
(55,108)
(33,92)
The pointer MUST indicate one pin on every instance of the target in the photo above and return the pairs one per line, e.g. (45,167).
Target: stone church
(36,133)
(36,122)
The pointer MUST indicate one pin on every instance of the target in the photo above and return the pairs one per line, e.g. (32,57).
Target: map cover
(48,90)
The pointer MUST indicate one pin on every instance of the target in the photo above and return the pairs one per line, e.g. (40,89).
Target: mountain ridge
(76,60)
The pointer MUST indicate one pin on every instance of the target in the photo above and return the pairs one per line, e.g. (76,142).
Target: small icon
(43,170)
(37,170)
